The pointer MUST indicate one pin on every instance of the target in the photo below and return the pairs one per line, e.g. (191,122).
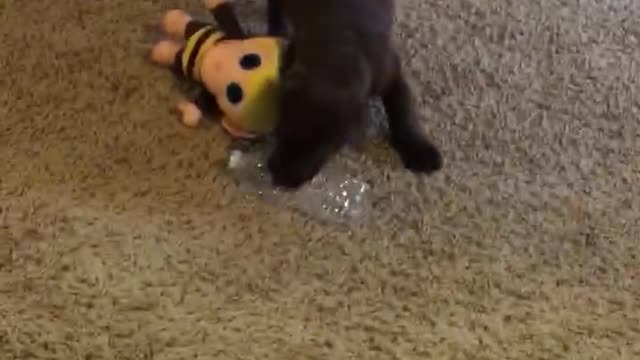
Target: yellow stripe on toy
(194,49)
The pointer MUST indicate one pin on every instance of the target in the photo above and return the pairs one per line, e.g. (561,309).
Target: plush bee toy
(239,74)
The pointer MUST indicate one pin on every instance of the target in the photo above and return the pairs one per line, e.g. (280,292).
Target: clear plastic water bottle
(333,195)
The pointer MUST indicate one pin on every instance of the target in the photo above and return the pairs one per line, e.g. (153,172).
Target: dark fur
(343,56)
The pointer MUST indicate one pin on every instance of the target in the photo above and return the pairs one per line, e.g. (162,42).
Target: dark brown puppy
(342,56)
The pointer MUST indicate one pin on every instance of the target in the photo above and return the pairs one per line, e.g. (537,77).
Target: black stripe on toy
(196,50)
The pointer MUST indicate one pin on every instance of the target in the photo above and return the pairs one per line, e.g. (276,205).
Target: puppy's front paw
(419,155)
(289,172)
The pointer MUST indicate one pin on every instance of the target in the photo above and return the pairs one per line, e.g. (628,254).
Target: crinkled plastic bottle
(333,195)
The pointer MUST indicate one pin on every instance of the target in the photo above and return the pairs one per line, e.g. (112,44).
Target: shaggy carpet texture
(121,237)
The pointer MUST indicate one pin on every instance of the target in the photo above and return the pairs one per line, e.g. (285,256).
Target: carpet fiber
(122,238)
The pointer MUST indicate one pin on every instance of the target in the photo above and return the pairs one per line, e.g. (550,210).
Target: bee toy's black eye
(234,93)
(250,61)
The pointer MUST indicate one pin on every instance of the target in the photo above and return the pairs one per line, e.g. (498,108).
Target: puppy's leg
(275,18)
(291,165)
(408,136)
(304,147)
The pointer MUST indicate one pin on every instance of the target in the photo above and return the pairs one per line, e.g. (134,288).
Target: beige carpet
(122,238)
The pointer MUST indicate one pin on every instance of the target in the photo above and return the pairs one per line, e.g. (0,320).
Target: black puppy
(342,56)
